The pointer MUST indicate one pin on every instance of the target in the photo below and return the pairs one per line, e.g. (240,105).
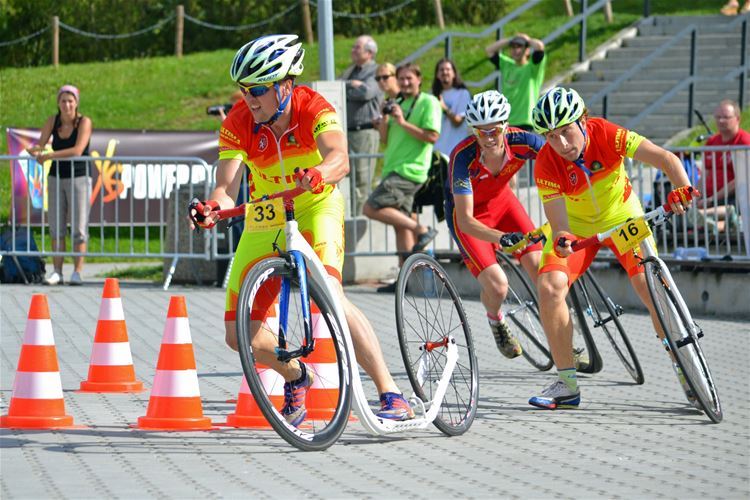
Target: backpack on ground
(32,265)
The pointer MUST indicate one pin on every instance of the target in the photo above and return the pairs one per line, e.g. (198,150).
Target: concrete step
(624,107)
(649,75)
(591,87)
(622,63)
(730,39)
(680,51)
(671,26)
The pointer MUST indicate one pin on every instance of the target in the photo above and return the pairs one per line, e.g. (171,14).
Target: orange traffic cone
(322,396)
(175,402)
(111,368)
(246,413)
(37,401)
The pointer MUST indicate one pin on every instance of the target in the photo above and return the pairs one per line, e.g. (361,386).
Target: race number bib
(629,235)
(264,215)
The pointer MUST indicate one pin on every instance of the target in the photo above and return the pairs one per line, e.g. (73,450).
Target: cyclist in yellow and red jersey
(482,208)
(276,128)
(585,190)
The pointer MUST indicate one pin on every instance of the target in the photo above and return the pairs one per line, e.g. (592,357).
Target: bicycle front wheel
(605,315)
(522,308)
(428,313)
(586,354)
(681,335)
(259,310)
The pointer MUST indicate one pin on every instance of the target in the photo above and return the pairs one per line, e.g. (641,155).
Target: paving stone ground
(626,441)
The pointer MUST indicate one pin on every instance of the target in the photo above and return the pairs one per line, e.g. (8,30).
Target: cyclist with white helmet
(481,207)
(585,189)
(276,128)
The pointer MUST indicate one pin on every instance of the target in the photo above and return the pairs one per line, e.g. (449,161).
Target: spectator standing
(454,97)
(523,74)
(388,83)
(362,106)
(718,166)
(409,131)
(69,182)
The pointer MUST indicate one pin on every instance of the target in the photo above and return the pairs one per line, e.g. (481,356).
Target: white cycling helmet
(486,108)
(557,108)
(268,59)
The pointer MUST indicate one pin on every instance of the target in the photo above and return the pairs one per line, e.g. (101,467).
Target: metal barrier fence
(152,193)
(137,208)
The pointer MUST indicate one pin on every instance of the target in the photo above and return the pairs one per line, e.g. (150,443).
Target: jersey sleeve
(624,141)
(430,113)
(459,170)
(231,147)
(547,182)
(323,116)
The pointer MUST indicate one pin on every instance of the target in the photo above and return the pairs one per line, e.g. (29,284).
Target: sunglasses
(488,132)
(382,77)
(256,90)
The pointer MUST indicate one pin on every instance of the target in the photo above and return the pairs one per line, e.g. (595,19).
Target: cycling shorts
(577,264)
(321,224)
(508,217)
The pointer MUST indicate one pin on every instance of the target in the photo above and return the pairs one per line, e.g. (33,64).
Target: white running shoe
(557,396)
(75,279)
(54,279)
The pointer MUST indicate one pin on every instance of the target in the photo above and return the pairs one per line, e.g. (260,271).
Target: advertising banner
(128,191)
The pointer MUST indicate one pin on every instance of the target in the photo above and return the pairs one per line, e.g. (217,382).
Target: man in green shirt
(523,74)
(409,127)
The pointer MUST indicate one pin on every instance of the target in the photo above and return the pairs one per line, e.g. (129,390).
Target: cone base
(248,421)
(174,424)
(135,386)
(21,422)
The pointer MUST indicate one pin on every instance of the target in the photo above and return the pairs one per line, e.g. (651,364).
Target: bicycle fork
(297,263)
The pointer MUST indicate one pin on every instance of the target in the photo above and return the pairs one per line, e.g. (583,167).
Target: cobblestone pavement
(626,441)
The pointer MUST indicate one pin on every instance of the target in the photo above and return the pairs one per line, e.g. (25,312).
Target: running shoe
(294,410)
(506,342)
(75,279)
(557,396)
(54,279)
(393,406)
(424,239)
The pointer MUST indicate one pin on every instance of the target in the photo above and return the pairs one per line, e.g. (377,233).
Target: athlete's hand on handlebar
(509,240)
(202,214)
(680,199)
(564,244)
(309,179)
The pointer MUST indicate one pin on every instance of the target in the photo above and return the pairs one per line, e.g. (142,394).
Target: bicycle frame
(307,260)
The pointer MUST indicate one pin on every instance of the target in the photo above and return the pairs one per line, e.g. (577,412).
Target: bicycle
(296,303)
(590,308)
(681,332)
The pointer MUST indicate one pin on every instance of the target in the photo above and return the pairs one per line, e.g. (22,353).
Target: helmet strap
(579,161)
(282,106)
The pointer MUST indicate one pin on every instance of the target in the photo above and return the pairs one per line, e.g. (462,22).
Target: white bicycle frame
(372,423)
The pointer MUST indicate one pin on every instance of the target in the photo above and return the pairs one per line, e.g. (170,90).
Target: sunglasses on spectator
(256,90)
(382,77)
(488,132)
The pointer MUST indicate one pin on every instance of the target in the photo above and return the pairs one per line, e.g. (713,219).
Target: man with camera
(362,105)
(409,128)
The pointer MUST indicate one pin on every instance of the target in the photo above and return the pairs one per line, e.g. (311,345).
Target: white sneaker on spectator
(75,279)
(54,279)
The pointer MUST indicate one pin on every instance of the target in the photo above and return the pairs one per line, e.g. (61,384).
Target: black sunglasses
(382,77)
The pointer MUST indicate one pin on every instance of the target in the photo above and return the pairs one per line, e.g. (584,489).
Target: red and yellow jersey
(597,193)
(272,161)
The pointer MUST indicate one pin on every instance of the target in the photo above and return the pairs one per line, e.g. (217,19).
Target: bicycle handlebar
(529,238)
(239,210)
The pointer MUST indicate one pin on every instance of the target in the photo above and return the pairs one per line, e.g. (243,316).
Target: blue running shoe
(556,397)
(294,410)
(393,406)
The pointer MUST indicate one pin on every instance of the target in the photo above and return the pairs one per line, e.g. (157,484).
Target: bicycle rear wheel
(522,307)
(328,401)
(605,315)
(429,312)
(682,335)
(588,358)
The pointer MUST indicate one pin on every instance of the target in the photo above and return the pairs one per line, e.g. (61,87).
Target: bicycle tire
(583,339)
(428,309)
(522,307)
(681,339)
(618,339)
(321,430)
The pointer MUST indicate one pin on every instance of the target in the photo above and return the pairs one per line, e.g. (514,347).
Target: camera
(388,106)
(215,110)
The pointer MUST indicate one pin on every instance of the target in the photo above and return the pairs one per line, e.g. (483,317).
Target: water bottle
(428,277)
(690,253)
